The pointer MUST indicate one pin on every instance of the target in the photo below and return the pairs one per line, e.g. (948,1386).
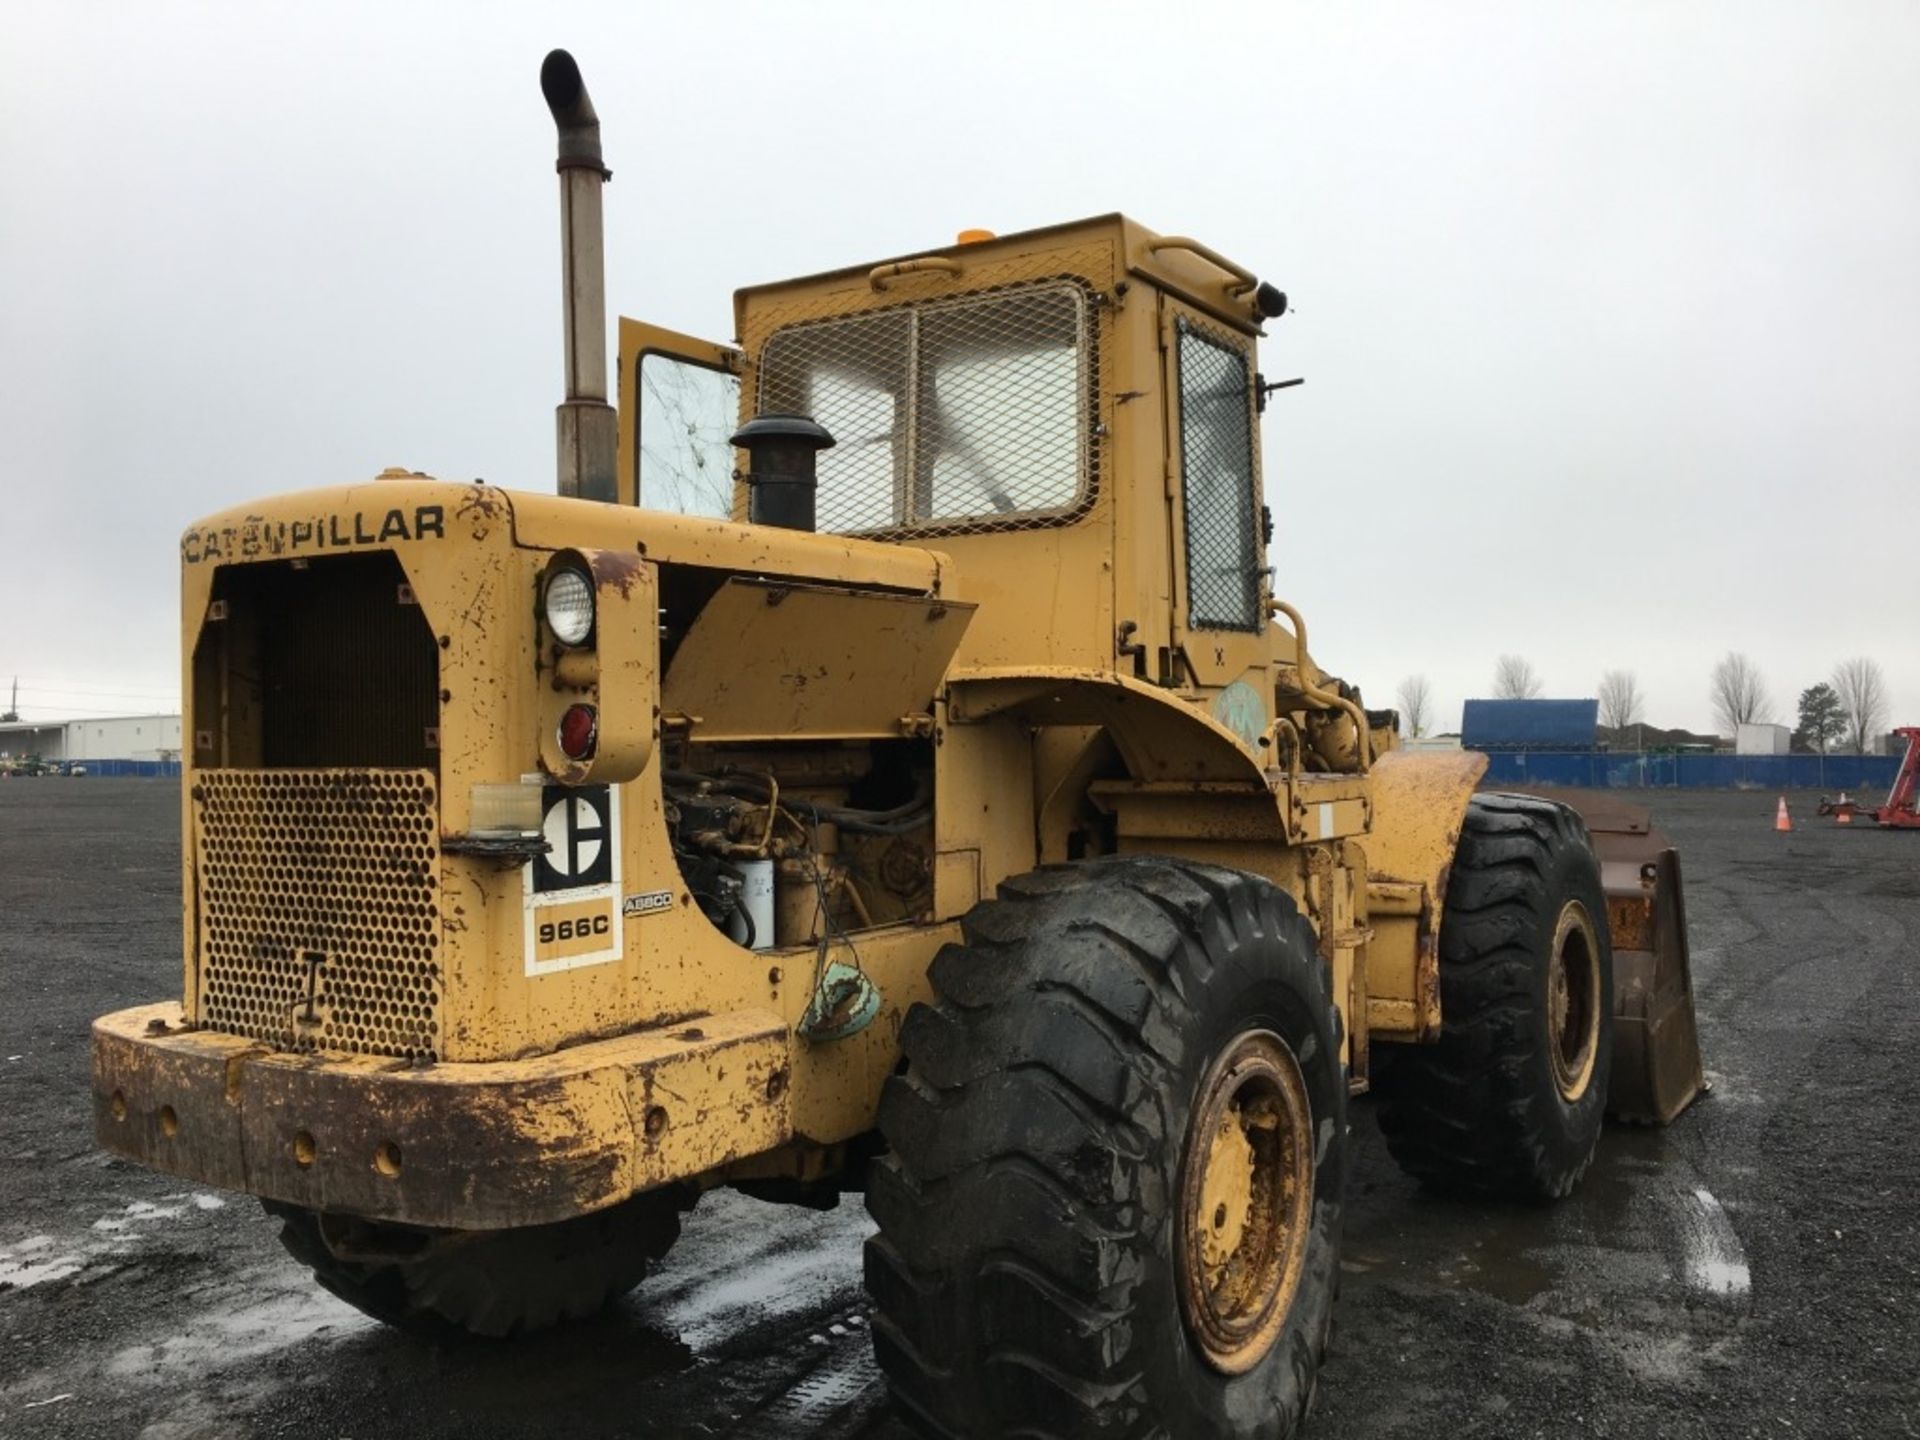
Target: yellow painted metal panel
(1160,735)
(1420,799)
(771,660)
(480,1146)
(619,677)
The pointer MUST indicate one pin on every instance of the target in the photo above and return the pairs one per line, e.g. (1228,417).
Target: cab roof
(1183,266)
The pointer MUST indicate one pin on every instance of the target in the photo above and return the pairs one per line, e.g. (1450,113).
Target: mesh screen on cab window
(965,414)
(1216,465)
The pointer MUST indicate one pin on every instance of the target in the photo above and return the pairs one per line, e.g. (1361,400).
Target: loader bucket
(1656,1043)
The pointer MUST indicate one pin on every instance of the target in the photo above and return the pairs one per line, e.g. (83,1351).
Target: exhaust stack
(587,427)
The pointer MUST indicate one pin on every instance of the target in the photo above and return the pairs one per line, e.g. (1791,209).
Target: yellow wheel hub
(1573,1001)
(1246,1201)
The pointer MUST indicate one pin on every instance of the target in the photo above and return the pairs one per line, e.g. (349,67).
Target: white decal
(572,893)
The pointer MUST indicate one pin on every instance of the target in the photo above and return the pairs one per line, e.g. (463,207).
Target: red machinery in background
(1902,808)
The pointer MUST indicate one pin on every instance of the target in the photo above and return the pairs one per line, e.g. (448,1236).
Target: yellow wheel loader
(885,765)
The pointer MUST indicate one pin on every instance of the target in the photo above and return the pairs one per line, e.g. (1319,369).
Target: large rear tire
(1112,1202)
(494,1283)
(1509,1102)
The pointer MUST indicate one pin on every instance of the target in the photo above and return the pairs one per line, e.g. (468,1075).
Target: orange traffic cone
(1780,821)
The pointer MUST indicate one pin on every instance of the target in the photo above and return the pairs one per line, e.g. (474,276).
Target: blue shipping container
(1529,724)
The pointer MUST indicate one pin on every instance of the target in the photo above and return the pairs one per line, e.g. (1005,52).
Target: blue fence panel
(1861,775)
(144,769)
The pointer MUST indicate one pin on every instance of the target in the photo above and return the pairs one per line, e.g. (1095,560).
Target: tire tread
(1015,1218)
(1466,1114)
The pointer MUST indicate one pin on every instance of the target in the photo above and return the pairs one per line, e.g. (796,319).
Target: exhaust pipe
(587,426)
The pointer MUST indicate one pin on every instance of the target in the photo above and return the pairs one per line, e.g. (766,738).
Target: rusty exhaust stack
(588,429)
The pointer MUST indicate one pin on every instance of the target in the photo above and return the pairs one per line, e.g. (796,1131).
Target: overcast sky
(1610,315)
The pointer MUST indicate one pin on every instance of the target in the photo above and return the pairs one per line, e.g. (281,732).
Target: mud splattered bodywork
(487,925)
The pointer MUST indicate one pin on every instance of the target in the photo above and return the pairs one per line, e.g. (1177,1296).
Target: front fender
(1419,801)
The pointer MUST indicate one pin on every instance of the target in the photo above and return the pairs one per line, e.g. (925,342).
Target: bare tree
(1863,696)
(1739,693)
(1416,704)
(1621,703)
(1514,678)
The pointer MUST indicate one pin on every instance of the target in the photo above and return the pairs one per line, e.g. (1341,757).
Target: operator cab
(1023,403)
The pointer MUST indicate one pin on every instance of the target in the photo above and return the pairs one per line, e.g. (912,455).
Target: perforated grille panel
(969,413)
(319,925)
(1216,463)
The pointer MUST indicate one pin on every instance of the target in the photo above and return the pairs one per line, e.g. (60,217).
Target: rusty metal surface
(478,1146)
(1657,1066)
(586,426)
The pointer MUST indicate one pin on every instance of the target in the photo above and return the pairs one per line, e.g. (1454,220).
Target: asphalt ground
(1754,1270)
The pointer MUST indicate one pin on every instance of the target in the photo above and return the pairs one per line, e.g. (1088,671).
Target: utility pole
(13,709)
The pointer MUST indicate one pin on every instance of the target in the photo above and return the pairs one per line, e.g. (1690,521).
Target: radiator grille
(970,413)
(319,924)
(328,663)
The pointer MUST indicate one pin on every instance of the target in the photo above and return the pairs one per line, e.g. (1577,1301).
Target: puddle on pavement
(1518,1254)
(1510,1275)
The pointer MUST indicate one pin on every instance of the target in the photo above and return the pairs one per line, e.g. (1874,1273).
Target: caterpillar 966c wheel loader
(943,806)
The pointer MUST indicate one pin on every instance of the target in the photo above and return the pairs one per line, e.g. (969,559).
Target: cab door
(1219,618)
(679,406)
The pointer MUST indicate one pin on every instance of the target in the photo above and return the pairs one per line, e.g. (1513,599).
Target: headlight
(569,605)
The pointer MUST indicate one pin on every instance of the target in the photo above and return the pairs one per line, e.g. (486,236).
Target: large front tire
(493,1284)
(1509,1102)
(1112,1202)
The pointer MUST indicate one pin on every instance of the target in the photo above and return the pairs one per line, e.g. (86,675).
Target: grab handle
(881,274)
(1247,279)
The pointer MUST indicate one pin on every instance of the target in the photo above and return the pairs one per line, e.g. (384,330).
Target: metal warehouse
(149,738)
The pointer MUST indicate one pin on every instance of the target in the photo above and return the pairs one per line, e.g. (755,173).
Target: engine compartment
(808,843)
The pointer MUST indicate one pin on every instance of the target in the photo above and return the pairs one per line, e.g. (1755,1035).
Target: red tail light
(579,728)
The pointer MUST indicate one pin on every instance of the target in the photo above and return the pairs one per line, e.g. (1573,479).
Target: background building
(105,744)
(1762,740)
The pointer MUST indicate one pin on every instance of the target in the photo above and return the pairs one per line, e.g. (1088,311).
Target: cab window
(971,413)
(687,413)
(1216,468)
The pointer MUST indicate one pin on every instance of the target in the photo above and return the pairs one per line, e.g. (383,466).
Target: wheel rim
(1246,1201)
(1573,1001)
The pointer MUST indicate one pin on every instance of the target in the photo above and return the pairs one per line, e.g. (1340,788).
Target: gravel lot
(1755,1270)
